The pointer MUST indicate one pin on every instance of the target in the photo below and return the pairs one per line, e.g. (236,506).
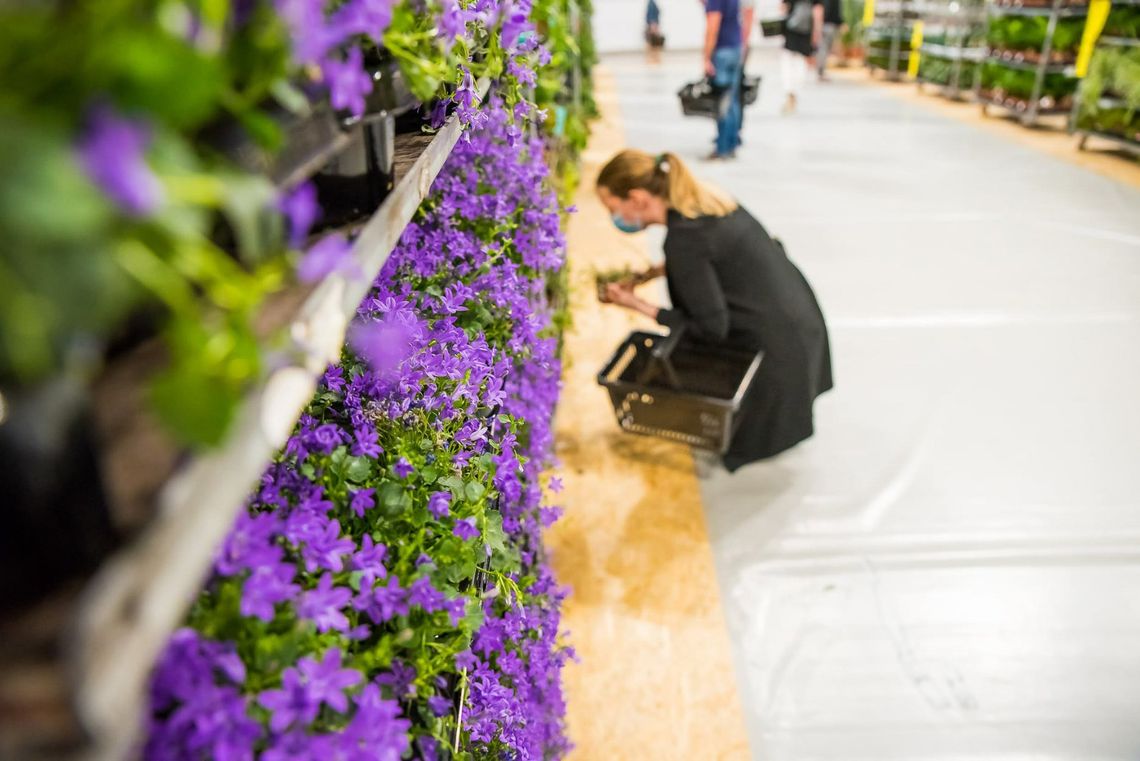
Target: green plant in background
(1123,22)
(1018,83)
(1028,33)
(1110,93)
(853,20)
(112,197)
(941,71)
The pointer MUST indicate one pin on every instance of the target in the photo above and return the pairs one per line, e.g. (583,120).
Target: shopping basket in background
(678,390)
(702,97)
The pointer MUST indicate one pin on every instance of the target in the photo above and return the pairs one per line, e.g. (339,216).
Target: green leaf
(393,499)
(474,491)
(195,405)
(358,469)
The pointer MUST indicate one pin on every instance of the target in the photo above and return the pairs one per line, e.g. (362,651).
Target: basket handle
(662,352)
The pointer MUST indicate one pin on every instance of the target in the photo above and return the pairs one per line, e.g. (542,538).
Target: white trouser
(793,72)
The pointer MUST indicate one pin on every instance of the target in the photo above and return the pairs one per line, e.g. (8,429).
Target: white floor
(950,569)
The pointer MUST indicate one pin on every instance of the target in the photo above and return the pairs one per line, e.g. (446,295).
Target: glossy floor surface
(950,568)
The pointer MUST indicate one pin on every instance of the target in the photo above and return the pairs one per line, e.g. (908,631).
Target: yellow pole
(915,46)
(1098,15)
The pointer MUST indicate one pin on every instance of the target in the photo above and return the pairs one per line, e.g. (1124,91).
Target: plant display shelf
(1067,68)
(1119,42)
(92,691)
(954,88)
(1126,143)
(1122,143)
(958,27)
(1028,109)
(887,38)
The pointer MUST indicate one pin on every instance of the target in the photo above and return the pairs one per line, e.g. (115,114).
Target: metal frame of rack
(1106,41)
(1029,111)
(896,24)
(962,21)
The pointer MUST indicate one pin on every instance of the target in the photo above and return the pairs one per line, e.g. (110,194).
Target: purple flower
(112,153)
(426,596)
(330,254)
(516,26)
(333,379)
(451,21)
(377,730)
(348,82)
(555,485)
(440,706)
(362,501)
(383,345)
(370,562)
(323,605)
(301,210)
(267,586)
(310,34)
(465,660)
(384,602)
(403,468)
(367,17)
(249,545)
(401,678)
(324,547)
(306,687)
(465,529)
(439,503)
(365,442)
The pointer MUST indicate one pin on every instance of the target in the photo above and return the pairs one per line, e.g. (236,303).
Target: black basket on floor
(678,390)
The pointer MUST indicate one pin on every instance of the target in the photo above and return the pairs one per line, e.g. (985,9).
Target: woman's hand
(622,294)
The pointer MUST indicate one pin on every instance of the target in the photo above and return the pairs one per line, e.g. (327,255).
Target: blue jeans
(727,63)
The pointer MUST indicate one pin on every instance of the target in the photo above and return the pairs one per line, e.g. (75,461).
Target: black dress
(731,283)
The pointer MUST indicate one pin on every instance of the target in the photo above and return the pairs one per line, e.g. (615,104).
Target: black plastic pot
(358,179)
(56,518)
(306,138)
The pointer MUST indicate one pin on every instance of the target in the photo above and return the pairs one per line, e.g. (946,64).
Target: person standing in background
(653,25)
(832,24)
(802,29)
(723,60)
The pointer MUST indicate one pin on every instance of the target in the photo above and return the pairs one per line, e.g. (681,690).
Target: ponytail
(667,177)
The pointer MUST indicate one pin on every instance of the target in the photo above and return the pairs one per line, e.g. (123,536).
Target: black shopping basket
(678,390)
(702,98)
(772,27)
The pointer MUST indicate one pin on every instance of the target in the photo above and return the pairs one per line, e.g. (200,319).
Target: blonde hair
(667,177)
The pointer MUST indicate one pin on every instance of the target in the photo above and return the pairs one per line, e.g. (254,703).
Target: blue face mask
(625,225)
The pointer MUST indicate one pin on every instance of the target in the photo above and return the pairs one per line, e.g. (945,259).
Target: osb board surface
(655,677)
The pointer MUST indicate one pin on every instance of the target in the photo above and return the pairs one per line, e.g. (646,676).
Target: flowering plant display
(385,594)
(112,192)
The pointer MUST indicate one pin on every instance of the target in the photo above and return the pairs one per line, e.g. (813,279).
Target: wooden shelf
(91,686)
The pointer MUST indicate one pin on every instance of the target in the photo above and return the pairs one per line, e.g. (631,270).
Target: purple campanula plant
(390,561)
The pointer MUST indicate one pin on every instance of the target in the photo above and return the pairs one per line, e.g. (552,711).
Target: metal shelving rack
(962,24)
(1037,105)
(1106,102)
(892,25)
